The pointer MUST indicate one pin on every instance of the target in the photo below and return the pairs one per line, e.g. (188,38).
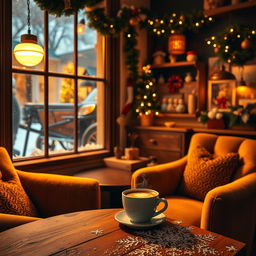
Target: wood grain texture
(71,234)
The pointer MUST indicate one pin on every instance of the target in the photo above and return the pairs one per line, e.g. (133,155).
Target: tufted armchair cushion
(228,209)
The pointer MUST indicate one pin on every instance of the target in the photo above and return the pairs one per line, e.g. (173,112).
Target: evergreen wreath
(174,83)
(59,7)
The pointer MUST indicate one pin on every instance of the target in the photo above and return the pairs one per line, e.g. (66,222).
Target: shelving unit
(199,84)
(230,8)
(176,64)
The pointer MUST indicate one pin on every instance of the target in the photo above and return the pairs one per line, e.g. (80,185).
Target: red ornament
(174,83)
(246,44)
(134,21)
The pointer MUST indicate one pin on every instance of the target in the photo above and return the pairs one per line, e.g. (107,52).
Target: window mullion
(76,84)
(46,84)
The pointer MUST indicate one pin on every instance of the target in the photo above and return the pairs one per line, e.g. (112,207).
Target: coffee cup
(140,204)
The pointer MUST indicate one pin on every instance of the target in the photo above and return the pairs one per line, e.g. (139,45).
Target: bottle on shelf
(192,103)
(164,105)
(180,108)
(170,105)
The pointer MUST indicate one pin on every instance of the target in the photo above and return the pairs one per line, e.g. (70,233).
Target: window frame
(111,105)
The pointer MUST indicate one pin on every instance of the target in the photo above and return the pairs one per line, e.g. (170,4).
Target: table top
(108,176)
(95,233)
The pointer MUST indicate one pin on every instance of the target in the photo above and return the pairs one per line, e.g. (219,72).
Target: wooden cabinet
(166,144)
(181,68)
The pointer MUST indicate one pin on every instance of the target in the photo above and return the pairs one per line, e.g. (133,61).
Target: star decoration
(231,248)
(97,232)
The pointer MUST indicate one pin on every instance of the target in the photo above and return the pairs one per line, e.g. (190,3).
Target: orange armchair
(230,209)
(50,194)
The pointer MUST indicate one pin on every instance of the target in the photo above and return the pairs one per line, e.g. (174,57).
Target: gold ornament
(246,44)
(216,49)
(134,21)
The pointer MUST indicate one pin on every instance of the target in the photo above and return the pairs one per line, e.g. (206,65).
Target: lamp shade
(222,75)
(177,44)
(28,52)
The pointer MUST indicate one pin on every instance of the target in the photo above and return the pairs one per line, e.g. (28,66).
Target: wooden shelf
(230,8)
(177,115)
(175,64)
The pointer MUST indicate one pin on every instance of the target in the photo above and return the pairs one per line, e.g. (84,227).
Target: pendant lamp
(81,27)
(28,52)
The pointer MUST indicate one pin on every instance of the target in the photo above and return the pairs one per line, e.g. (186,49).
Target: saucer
(122,218)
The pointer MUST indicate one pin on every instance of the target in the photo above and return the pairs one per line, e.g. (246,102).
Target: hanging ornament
(67,5)
(134,21)
(246,44)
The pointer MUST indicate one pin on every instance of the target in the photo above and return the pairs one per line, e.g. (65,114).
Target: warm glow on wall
(28,52)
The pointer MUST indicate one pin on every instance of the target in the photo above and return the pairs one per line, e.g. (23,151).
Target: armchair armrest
(57,194)
(10,221)
(231,210)
(164,177)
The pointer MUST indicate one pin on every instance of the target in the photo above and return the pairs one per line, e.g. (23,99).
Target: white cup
(140,204)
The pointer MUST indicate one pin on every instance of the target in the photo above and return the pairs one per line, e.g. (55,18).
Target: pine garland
(236,45)
(57,7)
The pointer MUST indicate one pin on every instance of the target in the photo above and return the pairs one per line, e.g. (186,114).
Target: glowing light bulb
(28,52)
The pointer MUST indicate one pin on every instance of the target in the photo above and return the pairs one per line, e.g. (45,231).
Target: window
(58,105)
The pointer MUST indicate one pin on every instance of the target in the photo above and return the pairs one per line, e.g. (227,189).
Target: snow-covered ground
(32,150)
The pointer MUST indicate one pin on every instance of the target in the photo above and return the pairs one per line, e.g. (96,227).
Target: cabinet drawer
(161,156)
(161,141)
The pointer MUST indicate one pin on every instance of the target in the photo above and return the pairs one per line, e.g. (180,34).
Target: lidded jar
(191,56)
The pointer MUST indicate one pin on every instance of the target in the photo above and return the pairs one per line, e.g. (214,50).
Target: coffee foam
(142,194)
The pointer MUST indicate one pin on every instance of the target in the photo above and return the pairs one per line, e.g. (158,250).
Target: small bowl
(169,124)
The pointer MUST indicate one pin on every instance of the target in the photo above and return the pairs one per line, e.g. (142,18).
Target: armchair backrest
(219,145)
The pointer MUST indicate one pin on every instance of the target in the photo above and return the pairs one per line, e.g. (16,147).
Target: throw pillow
(13,198)
(205,172)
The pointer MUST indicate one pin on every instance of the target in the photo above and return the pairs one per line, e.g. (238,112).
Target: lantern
(177,44)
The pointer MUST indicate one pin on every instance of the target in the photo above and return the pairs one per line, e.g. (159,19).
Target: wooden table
(96,233)
(112,181)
